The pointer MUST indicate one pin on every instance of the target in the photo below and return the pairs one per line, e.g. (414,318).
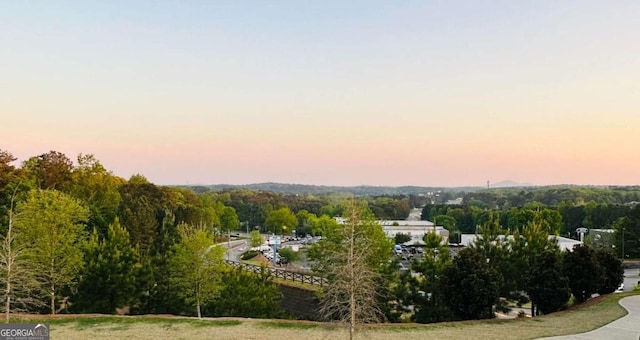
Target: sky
(427,93)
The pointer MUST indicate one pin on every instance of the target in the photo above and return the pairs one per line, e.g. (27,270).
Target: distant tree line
(504,198)
(562,220)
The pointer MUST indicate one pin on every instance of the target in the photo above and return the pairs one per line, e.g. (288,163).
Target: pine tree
(109,279)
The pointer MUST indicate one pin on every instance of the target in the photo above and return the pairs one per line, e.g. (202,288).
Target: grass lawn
(591,315)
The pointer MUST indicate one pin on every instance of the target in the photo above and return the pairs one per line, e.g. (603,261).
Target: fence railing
(284,274)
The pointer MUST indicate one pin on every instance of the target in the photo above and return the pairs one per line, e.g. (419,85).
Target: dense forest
(75,238)
(362,190)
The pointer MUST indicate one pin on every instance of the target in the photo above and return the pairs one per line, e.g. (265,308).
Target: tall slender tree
(17,277)
(353,256)
(196,267)
(51,228)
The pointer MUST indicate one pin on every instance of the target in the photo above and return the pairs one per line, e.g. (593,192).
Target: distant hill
(510,184)
(362,190)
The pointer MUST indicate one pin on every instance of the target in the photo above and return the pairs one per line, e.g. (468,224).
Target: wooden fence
(283,273)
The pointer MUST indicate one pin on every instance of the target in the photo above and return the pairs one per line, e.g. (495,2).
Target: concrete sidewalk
(625,328)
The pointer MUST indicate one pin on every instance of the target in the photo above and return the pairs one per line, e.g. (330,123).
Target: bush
(249,254)
(401,238)
(247,294)
(288,254)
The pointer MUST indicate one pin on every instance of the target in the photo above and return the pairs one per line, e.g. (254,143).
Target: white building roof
(563,242)
(406,223)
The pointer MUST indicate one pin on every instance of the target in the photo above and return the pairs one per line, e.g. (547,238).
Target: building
(563,242)
(415,229)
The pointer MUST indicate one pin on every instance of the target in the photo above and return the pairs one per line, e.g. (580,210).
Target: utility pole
(622,229)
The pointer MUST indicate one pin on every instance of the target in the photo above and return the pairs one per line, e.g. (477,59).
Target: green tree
(229,219)
(448,222)
(552,221)
(162,297)
(401,238)
(628,234)
(305,223)
(280,218)
(548,286)
(493,246)
(140,211)
(255,239)
(288,254)
(612,270)
(98,188)
(17,277)
(427,297)
(10,179)
(247,294)
(471,285)
(522,254)
(584,272)
(202,211)
(51,224)
(196,267)
(323,225)
(109,278)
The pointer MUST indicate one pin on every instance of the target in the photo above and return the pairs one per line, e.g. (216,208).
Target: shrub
(249,254)
(288,254)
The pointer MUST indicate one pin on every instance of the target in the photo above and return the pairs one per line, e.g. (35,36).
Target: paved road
(627,327)
(235,249)
(631,279)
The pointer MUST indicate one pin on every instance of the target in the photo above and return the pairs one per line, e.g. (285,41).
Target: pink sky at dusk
(331,93)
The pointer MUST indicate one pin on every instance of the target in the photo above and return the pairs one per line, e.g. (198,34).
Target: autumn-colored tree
(51,170)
